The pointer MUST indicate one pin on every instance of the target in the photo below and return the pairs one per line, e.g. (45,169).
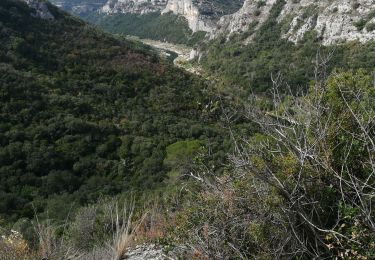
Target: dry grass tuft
(125,230)
(13,246)
(155,225)
(51,247)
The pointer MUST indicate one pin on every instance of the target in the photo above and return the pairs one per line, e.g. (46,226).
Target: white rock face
(133,6)
(41,9)
(187,9)
(334,21)
(241,21)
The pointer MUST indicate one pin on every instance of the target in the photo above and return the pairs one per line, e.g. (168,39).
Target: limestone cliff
(201,15)
(133,6)
(186,8)
(334,21)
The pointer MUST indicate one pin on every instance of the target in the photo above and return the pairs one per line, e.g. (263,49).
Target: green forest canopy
(84,115)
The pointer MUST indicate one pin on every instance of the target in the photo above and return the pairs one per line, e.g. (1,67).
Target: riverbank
(183,59)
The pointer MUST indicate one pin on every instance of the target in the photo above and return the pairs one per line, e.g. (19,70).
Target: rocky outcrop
(201,15)
(334,21)
(252,14)
(186,8)
(147,252)
(133,6)
(41,9)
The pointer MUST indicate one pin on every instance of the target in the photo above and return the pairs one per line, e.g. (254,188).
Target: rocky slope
(133,6)
(40,9)
(334,21)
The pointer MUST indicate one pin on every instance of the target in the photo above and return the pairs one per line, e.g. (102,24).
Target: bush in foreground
(303,187)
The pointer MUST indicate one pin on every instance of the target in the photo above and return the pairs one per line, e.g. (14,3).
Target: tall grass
(104,231)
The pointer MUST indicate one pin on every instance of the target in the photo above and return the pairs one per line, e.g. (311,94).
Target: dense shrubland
(84,115)
(288,173)
(167,27)
(303,187)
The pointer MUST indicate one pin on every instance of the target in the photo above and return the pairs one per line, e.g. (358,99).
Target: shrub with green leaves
(303,188)
(370,27)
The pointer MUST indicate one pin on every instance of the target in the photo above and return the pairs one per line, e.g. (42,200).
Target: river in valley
(178,53)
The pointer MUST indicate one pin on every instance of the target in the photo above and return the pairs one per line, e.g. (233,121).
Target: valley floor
(183,59)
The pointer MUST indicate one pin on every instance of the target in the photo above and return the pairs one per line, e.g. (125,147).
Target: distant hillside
(174,21)
(84,115)
(167,27)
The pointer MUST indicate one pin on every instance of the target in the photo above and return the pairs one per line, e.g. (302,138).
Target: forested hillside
(152,19)
(108,151)
(84,115)
(167,27)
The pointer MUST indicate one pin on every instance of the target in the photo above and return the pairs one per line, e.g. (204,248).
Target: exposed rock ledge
(187,9)
(133,6)
(334,21)
(148,252)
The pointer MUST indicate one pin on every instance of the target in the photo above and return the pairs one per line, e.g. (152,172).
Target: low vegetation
(301,188)
(361,24)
